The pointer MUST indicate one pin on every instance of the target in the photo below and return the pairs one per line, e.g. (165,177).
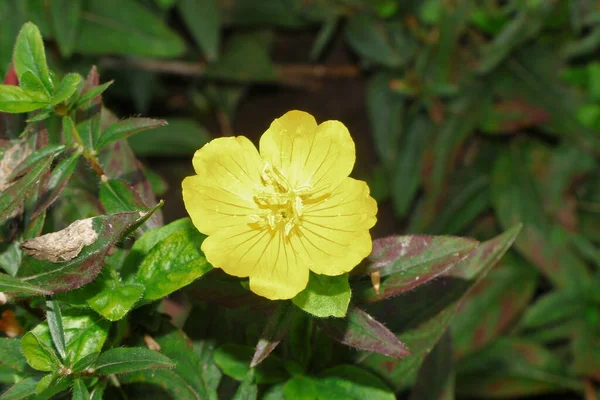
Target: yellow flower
(292,208)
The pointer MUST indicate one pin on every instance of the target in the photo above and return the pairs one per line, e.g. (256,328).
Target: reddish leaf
(358,329)
(421,316)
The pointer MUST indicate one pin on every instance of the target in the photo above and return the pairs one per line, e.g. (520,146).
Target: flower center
(281,203)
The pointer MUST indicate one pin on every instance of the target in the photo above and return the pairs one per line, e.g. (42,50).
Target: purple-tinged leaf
(407,262)
(277,327)
(12,197)
(359,330)
(394,254)
(126,128)
(34,158)
(420,317)
(117,195)
(69,275)
(56,183)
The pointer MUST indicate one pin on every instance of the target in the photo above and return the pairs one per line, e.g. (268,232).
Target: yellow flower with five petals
(273,216)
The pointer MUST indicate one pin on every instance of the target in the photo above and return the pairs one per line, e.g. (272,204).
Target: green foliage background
(475,115)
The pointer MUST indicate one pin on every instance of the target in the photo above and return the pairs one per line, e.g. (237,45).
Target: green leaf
(121,360)
(248,389)
(173,263)
(30,57)
(325,296)
(126,128)
(203,20)
(57,181)
(384,43)
(21,390)
(76,272)
(350,382)
(66,88)
(12,356)
(195,375)
(12,197)
(14,99)
(234,361)
(85,362)
(127,28)
(301,388)
(361,331)
(12,285)
(80,391)
(91,94)
(406,262)
(85,333)
(421,316)
(118,196)
(54,319)
(107,295)
(551,309)
(38,354)
(493,305)
(233,64)
(66,15)
(181,137)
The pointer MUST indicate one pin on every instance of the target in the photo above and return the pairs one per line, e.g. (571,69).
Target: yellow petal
(222,194)
(275,270)
(306,154)
(335,232)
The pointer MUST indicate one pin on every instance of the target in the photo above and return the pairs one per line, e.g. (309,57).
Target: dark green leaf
(12,197)
(301,388)
(361,331)
(493,304)
(55,325)
(127,28)
(66,88)
(38,354)
(57,181)
(21,390)
(234,361)
(66,15)
(12,356)
(76,272)
(181,137)
(85,362)
(233,64)
(173,263)
(126,128)
(436,376)
(13,99)
(554,308)
(80,391)
(326,34)
(385,43)
(203,20)
(325,296)
(122,360)
(30,57)
(274,331)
